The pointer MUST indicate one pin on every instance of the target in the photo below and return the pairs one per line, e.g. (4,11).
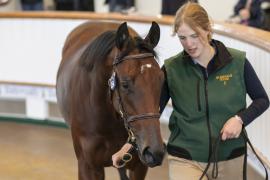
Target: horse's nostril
(148,156)
(152,159)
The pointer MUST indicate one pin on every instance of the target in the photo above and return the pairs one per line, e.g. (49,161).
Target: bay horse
(108,86)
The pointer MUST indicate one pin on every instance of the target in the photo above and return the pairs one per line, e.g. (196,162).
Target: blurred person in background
(249,13)
(64,5)
(74,5)
(122,6)
(32,5)
(169,7)
(266,10)
(84,5)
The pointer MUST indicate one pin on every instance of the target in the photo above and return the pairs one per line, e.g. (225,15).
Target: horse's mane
(98,49)
(101,46)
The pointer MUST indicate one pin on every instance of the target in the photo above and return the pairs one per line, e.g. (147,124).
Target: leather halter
(118,60)
(131,118)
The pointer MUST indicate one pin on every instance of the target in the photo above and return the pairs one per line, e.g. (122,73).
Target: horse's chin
(150,163)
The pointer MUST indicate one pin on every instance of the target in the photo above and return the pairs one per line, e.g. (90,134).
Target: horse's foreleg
(88,169)
(138,173)
(87,172)
(123,173)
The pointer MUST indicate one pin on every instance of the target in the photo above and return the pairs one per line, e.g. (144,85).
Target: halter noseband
(122,112)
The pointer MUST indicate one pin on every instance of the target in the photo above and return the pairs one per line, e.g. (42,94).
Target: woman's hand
(118,156)
(232,128)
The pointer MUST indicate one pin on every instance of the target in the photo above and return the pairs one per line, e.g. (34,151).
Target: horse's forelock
(137,43)
(143,45)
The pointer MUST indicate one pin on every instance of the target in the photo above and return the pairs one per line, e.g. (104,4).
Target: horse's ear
(122,35)
(153,34)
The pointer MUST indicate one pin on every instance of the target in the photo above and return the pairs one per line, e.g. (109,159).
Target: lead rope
(213,158)
(245,136)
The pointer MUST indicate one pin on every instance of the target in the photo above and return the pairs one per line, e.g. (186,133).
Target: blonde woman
(207,83)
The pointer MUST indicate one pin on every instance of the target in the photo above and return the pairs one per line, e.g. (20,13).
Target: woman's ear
(122,35)
(153,35)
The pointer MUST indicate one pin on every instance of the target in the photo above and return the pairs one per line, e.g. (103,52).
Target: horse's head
(136,86)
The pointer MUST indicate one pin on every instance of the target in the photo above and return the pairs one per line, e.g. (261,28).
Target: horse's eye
(124,84)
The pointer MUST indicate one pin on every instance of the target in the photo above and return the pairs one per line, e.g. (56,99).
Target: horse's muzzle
(153,158)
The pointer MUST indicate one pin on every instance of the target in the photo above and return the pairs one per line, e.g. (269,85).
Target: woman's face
(193,43)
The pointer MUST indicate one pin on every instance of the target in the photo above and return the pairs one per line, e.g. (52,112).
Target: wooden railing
(250,35)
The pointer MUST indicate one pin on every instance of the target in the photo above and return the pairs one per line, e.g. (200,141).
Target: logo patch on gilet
(224,78)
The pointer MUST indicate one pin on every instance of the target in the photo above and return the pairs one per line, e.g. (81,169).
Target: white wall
(218,9)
